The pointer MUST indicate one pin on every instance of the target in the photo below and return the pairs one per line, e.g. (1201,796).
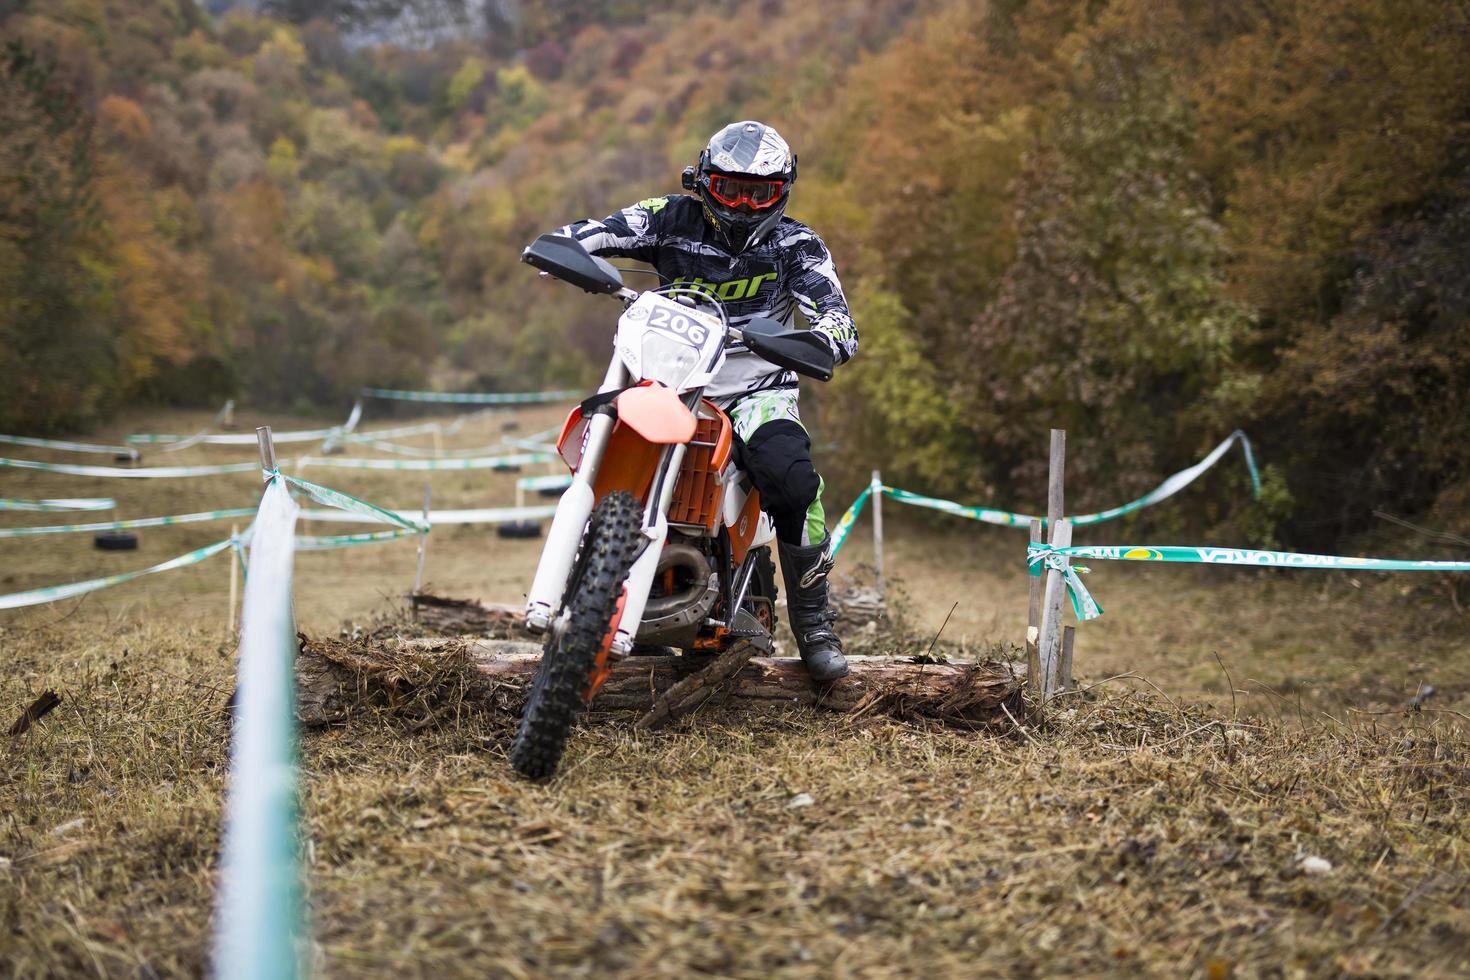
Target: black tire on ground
(609,547)
(115,541)
(506,468)
(519,529)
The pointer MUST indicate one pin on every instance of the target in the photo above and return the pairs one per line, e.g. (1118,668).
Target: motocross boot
(804,569)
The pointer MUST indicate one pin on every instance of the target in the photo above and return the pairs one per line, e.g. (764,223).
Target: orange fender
(656,413)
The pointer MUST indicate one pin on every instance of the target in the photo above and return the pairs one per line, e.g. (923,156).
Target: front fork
(572,513)
(656,530)
(568,526)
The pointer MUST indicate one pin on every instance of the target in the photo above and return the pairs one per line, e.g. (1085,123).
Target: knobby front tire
(609,546)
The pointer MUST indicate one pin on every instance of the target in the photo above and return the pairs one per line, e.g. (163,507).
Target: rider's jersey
(790,270)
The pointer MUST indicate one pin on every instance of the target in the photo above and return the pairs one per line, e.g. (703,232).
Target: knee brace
(778,457)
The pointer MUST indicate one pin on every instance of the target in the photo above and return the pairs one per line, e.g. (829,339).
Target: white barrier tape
(213,515)
(556,481)
(55,593)
(481,463)
(348,503)
(249,438)
(489,515)
(71,447)
(472,397)
(137,473)
(308,542)
(431,453)
(60,504)
(203,433)
(259,912)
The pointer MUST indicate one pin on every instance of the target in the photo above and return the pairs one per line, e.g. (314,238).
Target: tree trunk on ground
(333,676)
(467,617)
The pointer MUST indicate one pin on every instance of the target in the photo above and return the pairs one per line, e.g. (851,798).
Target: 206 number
(670,321)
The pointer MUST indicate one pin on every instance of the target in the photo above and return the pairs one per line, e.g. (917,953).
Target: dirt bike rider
(732,238)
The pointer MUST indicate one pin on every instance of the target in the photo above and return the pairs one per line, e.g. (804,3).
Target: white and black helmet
(744,178)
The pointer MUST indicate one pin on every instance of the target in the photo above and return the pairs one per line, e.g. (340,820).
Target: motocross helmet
(744,179)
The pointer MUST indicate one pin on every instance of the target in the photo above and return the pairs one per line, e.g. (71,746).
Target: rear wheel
(762,595)
(579,643)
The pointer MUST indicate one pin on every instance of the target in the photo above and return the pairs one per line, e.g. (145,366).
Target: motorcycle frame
(564,537)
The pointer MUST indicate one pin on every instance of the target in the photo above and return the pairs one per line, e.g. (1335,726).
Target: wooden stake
(1033,618)
(418,578)
(1047,672)
(267,451)
(438,442)
(1055,477)
(1050,653)
(877,501)
(1069,637)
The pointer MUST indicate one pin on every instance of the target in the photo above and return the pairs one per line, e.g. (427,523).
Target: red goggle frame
(758,192)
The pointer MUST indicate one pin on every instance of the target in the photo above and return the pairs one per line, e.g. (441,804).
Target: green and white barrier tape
(541,442)
(212,515)
(307,542)
(218,420)
(1083,604)
(848,519)
(555,481)
(62,504)
(350,504)
(1163,491)
(249,438)
(202,434)
(55,593)
(138,473)
(1179,481)
(71,447)
(480,463)
(259,911)
(1005,518)
(989,515)
(473,397)
(430,453)
(378,439)
(486,515)
(1039,554)
(1245,556)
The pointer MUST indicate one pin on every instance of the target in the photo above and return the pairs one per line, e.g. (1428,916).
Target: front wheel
(579,642)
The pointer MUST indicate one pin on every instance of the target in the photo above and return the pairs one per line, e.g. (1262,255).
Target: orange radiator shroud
(698,493)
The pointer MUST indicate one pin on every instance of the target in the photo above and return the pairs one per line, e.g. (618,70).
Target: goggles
(758,192)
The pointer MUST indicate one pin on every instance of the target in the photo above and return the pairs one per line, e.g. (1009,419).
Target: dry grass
(1139,832)
(1127,836)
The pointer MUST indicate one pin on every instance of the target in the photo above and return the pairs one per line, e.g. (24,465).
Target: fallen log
(334,677)
(855,607)
(467,617)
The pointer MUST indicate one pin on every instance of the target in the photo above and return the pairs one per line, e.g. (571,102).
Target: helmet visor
(758,192)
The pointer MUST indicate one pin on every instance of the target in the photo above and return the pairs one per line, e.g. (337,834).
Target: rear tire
(763,586)
(594,591)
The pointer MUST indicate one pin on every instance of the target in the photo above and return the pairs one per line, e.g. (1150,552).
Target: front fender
(656,413)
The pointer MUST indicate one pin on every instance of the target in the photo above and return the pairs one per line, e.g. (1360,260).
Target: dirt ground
(1234,724)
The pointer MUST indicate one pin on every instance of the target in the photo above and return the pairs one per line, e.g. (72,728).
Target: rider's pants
(776,451)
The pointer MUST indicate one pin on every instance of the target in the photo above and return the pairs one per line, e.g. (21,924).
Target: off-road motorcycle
(660,540)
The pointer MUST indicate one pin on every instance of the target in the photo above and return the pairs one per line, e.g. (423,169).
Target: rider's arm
(818,294)
(631,233)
